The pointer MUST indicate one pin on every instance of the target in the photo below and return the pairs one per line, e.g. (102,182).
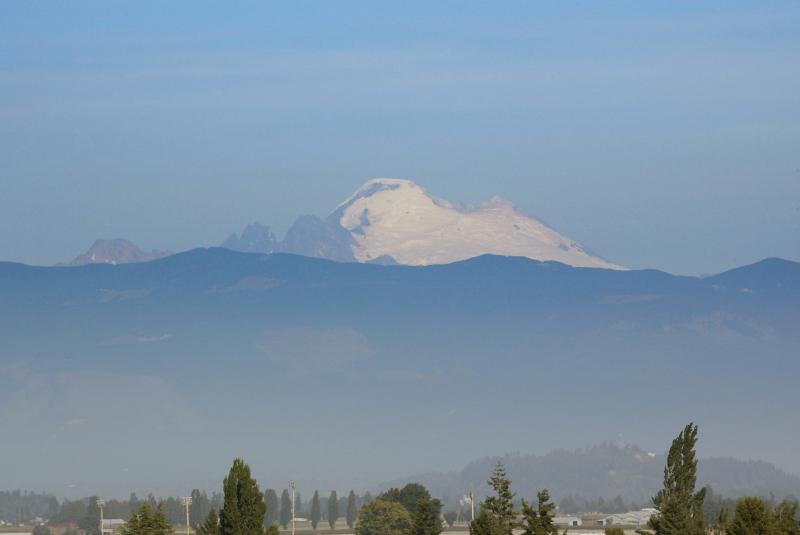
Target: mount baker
(396,221)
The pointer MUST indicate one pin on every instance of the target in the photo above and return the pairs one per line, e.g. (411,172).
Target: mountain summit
(116,251)
(398,219)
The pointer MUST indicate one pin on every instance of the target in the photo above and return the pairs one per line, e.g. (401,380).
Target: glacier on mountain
(398,219)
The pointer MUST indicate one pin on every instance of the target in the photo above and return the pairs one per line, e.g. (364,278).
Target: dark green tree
(352,511)
(273,507)
(333,509)
(408,496)
(71,511)
(680,507)
(539,520)
(752,518)
(147,521)
(426,519)
(784,518)
(243,508)
(90,523)
(496,516)
(721,523)
(286,509)
(316,512)
(383,517)
(200,508)
(209,525)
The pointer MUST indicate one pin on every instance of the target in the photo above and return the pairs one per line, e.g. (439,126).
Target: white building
(572,521)
(111,525)
(632,518)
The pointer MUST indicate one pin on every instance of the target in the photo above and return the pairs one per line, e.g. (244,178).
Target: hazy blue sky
(658,134)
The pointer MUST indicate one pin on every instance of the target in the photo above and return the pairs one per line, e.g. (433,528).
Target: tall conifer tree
(680,507)
(243,508)
(316,512)
(496,516)
(333,509)
(539,521)
(273,507)
(286,508)
(352,512)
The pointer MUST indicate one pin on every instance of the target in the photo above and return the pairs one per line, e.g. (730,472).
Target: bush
(614,531)
(382,517)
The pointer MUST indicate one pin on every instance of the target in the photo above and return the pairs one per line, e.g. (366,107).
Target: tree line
(243,509)
(246,510)
(681,508)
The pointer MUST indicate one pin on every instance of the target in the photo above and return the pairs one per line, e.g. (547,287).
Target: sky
(662,135)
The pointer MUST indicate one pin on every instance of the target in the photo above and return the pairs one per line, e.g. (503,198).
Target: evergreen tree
(286,509)
(209,525)
(316,513)
(539,521)
(426,519)
(496,516)
(147,522)
(752,518)
(90,523)
(243,509)
(721,523)
(367,498)
(273,508)
(352,512)
(333,509)
(784,518)
(680,508)
(200,508)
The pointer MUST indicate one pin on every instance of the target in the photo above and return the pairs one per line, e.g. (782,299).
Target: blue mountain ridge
(383,369)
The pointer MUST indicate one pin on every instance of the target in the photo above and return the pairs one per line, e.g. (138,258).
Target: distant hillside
(607,471)
(386,370)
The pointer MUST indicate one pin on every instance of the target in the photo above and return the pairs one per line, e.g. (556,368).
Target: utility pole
(187,501)
(291,486)
(472,505)
(101,504)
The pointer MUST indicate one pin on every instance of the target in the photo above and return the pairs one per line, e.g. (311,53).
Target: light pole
(291,486)
(187,501)
(100,505)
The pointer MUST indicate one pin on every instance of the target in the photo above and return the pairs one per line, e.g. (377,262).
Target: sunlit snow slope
(398,218)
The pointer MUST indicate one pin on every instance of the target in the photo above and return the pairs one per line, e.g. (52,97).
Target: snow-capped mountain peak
(397,218)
